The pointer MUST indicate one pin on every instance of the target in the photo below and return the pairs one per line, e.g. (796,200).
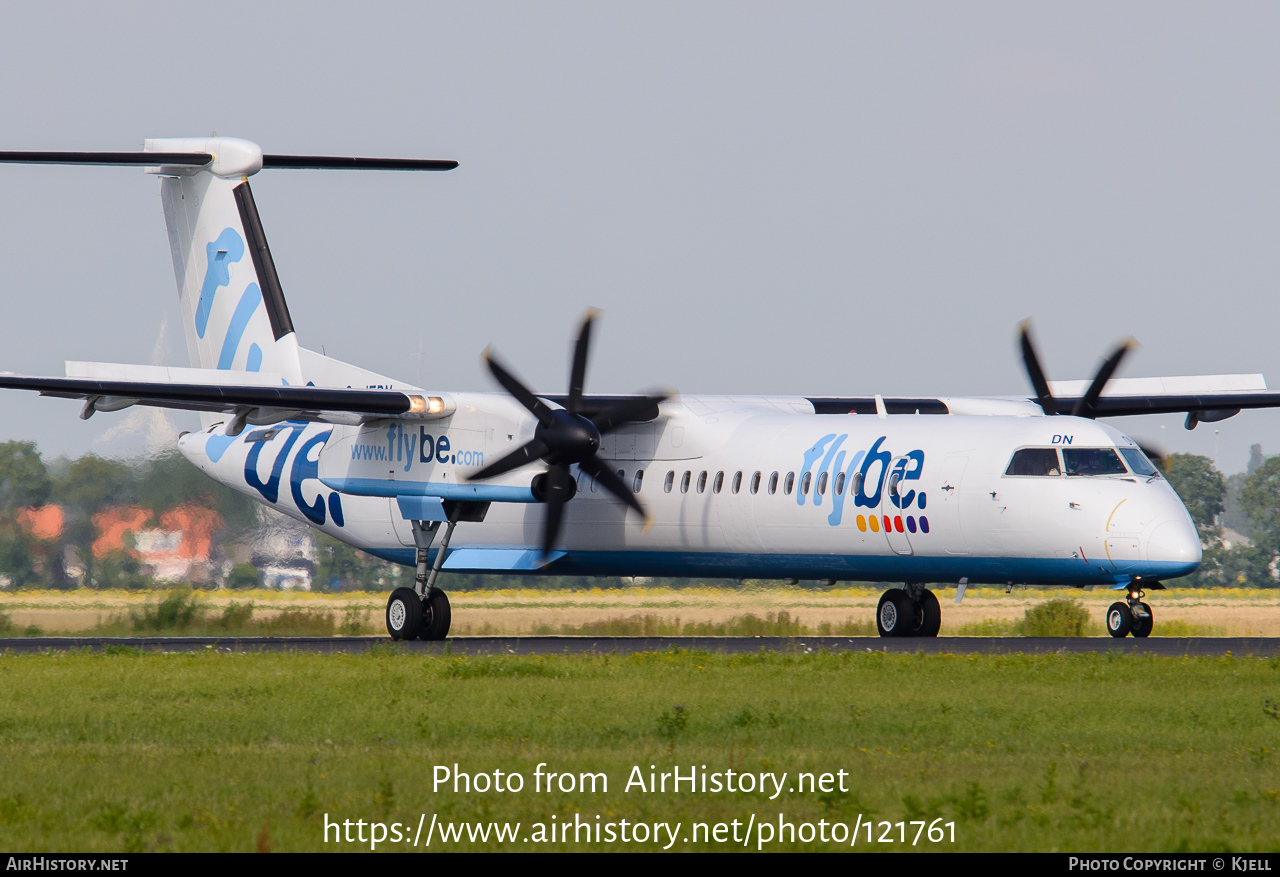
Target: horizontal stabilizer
(350,163)
(199,159)
(146,159)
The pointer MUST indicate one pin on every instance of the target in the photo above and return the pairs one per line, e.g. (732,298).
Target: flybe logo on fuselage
(405,448)
(871,478)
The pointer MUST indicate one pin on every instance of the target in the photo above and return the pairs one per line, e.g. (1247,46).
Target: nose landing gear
(909,611)
(1131,616)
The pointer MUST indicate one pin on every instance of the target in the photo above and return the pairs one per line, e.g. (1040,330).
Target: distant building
(1231,539)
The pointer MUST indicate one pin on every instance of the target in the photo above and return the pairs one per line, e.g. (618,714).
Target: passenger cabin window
(1092,461)
(638,480)
(684,482)
(718,484)
(788,483)
(804,483)
(755,483)
(1034,461)
(822,484)
(737,482)
(670,482)
(855,483)
(1138,462)
(839,485)
(702,481)
(773,483)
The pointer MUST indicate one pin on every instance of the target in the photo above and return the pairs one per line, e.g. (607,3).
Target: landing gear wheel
(895,616)
(1119,620)
(1142,623)
(435,616)
(404,614)
(928,615)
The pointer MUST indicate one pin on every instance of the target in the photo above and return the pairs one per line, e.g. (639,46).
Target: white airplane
(1021,490)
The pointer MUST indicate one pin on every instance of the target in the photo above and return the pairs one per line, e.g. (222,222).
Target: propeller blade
(1032,361)
(606,478)
(529,452)
(639,408)
(1084,407)
(559,487)
(578,373)
(522,394)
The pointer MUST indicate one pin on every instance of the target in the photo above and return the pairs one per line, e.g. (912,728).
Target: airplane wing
(244,403)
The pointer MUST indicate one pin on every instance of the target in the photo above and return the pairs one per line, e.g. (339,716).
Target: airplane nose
(1174,542)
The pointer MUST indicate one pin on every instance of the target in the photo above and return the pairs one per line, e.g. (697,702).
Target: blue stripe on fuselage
(854,568)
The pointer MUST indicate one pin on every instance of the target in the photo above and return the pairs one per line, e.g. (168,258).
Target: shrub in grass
(1060,617)
(177,611)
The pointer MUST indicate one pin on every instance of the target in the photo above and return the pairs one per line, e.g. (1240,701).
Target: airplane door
(891,517)
(948,514)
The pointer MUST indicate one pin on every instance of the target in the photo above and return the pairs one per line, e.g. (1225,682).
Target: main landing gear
(909,611)
(422,612)
(1131,616)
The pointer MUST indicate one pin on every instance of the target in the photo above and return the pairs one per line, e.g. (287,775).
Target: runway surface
(558,645)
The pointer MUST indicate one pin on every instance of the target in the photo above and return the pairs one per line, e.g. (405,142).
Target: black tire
(1142,624)
(1119,620)
(404,614)
(895,614)
(929,615)
(436,616)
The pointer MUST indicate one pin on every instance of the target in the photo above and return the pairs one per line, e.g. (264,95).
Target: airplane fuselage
(741,487)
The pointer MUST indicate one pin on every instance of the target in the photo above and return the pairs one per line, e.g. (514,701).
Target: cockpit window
(1034,461)
(1138,462)
(1092,461)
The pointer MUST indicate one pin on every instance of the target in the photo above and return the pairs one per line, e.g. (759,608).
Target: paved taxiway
(556,645)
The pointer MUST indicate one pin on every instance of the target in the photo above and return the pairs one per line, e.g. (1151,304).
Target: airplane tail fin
(233,308)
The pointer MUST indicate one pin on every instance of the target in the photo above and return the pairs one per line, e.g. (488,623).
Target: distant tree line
(1247,503)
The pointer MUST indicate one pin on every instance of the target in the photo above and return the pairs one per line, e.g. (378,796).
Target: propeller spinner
(564,437)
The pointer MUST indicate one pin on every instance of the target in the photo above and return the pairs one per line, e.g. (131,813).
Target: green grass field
(241,752)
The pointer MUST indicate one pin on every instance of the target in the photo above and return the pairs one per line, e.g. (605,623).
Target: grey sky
(777,198)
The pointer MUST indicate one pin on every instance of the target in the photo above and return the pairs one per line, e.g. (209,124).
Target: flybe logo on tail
(870,473)
(221,255)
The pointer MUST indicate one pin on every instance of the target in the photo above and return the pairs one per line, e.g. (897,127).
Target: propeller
(1085,405)
(565,437)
